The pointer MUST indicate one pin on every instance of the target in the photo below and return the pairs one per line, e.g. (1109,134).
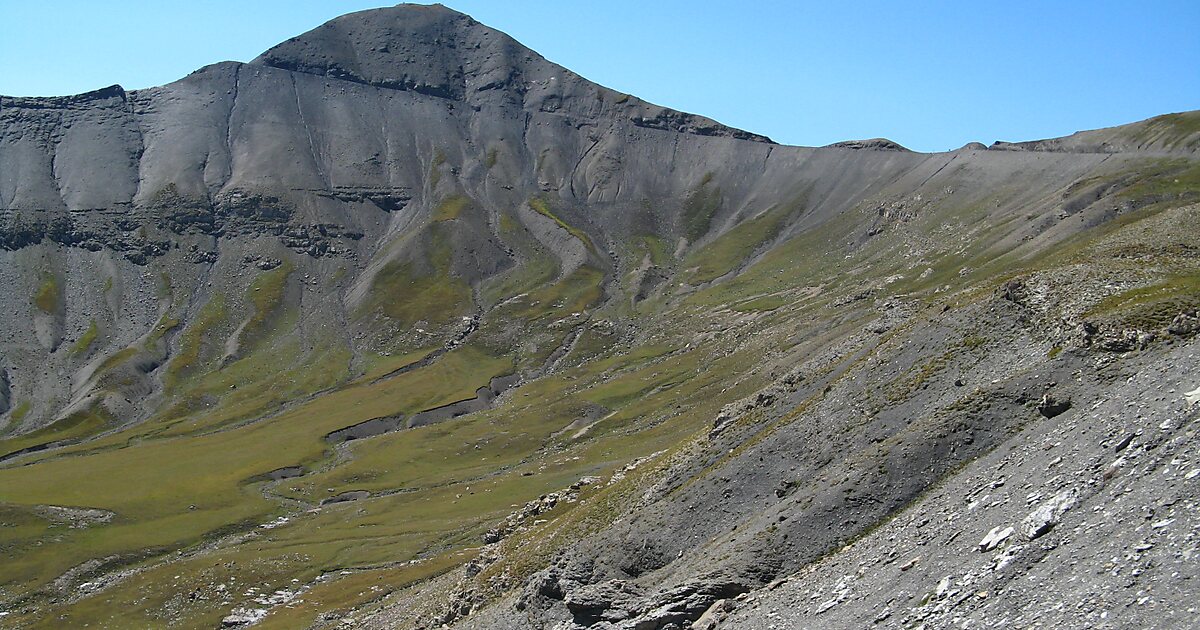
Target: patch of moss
(165,324)
(541,207)
(21,410)
(450,208)
(575,293)
(118,358)
(974,341)
(86,339)
(657,248)
(165,287)
(507,223)
(48,295)
(266,296)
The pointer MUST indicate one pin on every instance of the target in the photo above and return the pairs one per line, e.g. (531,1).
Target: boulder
(1185,324)
(1048,514)
(1050,406)
(714,615)
(604,601)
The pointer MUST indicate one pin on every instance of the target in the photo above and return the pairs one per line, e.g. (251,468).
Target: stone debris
(1078,535)
(1185,324)
(525,516)
(279,522)
(1004,558)
(759,400)
(631,466)
(74,518)
(240,617)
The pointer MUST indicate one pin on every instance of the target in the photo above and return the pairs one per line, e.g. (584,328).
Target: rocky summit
(401,325)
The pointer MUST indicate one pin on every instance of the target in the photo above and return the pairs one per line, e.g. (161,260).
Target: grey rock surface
(1122,556)
(989,457)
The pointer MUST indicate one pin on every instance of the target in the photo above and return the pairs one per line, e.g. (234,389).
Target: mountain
(403,324)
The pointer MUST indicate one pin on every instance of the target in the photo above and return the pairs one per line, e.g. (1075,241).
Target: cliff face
(259,285)
(337,144)
(354,111)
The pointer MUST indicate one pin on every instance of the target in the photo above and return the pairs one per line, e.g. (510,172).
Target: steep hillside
(401,324)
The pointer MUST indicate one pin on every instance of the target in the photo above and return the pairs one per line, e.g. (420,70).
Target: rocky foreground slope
(402,325)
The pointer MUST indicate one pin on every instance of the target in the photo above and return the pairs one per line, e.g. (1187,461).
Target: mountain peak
(439,52)
(423,48)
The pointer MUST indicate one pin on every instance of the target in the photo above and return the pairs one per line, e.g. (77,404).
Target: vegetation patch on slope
(1153,307)
(732,248)
(195,338)
(403,295)
(266,296)
(78,425)
(1173,130)
(85,341)
(573,294)
(701,205)
(535,266)
(543,208)
(48,296)
(450,208)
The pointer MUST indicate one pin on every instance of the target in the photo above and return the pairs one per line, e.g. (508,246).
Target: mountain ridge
(467,339)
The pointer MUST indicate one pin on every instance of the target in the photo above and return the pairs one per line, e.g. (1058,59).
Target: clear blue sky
(930,75)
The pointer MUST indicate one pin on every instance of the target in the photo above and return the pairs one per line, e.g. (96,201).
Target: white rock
(1192,397)
(1005,557)
(994,538)
(1047,515)
(943,587)
(243,617)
